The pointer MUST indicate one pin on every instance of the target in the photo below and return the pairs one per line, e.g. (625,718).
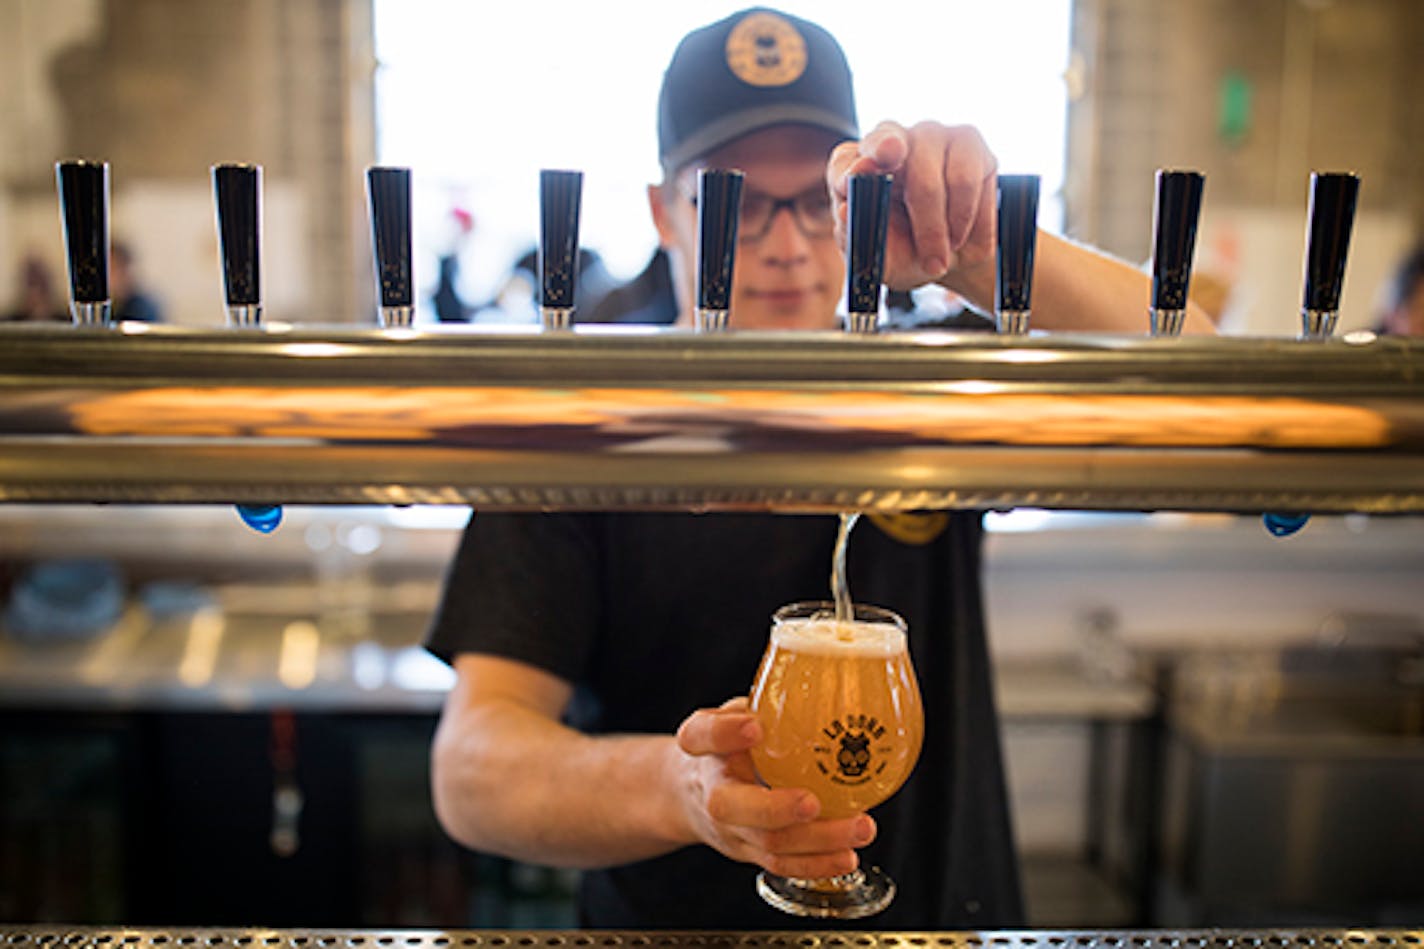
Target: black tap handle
(1175,213)
(84,205)
(238,189)
(559,195)
(1017,240)
(1332,215)
(389,193)
(719,204)
(868,210)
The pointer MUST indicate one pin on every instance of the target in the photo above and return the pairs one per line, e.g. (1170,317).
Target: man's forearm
(510,781)
(1076,288)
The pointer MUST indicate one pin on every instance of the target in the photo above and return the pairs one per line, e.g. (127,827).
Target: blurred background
(202,725)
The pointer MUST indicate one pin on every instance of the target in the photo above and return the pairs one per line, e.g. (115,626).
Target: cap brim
(734,126)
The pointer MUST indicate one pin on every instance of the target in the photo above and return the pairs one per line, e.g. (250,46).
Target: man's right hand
(730,811)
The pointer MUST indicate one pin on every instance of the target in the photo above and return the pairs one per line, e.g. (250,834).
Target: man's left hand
(943,203)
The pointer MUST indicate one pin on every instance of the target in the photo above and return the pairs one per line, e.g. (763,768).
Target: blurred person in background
(449,306)
(130,300)
(1403,306)
(40,300)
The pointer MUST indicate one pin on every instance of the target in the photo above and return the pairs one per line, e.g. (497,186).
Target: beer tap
(868,213)
(719,200)
(1175,211)
(1332,214)
(388,190)
(559,195)
(238,189)
(84,210)
(1016,243)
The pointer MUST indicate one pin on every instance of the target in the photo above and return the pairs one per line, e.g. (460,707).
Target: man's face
(788,276)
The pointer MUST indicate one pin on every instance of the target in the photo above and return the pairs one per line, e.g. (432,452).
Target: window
(477,96)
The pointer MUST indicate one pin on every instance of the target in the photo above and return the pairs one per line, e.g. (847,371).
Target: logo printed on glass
(848,753)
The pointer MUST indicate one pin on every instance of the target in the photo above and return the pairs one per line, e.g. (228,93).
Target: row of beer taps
(84,199)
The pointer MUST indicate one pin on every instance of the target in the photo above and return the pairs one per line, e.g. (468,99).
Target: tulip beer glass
(840,714)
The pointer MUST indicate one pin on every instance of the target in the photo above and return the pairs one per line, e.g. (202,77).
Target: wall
(163,91)
(1333,85)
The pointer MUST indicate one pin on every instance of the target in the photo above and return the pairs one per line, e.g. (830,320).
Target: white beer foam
(828,637)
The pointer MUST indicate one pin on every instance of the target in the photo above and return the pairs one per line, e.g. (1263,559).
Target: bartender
(594,722)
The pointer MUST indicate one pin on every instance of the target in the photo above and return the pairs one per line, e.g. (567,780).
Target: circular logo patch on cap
(764,49)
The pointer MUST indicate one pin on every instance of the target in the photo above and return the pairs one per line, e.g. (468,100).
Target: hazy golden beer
(839,707)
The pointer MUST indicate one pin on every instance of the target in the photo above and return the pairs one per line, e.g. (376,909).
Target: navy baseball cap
(754,69)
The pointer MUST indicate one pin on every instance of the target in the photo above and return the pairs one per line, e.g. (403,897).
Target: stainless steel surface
(1167,322)
(710,321)
(1294,778)
(397,317)
(95,937)
(556,318)
(1318,703)
(1318,324)
(1014,322)
(736,421)
(90,314)
(222,660)
(862,322)
(244,315)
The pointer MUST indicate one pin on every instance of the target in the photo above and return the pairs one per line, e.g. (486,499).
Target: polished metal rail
(669,420)
(51,936)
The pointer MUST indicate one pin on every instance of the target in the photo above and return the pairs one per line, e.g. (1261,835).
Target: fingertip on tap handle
(868,214)
(560,195)
(1016,241)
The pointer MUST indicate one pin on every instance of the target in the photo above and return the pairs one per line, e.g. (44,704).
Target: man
(582,642)
(130,300)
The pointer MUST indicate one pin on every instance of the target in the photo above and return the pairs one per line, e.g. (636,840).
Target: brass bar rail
(670,420)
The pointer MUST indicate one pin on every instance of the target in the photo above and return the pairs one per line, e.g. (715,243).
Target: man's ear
(662,220)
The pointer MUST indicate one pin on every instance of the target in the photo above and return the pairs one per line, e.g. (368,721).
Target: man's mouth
(783,296)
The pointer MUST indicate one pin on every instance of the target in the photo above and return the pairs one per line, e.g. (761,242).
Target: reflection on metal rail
(672,420)
(92,937)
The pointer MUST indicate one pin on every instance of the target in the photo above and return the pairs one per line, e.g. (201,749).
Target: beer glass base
(849,896)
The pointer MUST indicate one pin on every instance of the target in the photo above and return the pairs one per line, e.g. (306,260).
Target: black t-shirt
(650,616)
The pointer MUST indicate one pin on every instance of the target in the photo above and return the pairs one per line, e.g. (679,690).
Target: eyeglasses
(811,210)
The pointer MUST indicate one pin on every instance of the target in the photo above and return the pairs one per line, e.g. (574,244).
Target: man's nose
(785,243)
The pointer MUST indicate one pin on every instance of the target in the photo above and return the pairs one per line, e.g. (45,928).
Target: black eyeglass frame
(794,204)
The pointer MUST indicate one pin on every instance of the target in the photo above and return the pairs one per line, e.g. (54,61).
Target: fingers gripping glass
(811,210)
(841,716)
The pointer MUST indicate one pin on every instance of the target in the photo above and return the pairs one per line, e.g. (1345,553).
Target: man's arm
(1077,288)
(942,230)
(509,778)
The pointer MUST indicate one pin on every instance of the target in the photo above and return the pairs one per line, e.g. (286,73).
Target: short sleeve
(523,587)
